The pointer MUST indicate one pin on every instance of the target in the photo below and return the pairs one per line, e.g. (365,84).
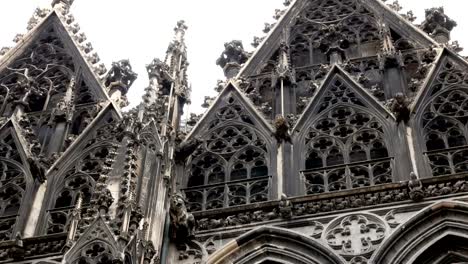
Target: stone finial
(438,24)
(232,58)
(180,29)
(156,68)
(121,76)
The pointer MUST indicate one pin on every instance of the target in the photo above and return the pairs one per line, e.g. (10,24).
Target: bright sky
(141,30)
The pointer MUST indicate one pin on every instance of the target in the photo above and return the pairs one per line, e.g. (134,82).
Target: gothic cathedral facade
(341,139)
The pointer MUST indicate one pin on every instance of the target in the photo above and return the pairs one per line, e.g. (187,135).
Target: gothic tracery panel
(231,167)
(12,187)
(345,144)
(445,121)
(78,181)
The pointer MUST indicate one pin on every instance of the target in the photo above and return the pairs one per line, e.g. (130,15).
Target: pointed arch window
(13,188)
(231,167)
(345,145)
(444,121)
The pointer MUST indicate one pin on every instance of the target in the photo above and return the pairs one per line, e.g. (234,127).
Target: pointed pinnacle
(180,30)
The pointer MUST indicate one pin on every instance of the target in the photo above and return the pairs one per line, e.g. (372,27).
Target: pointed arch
(341,138)
(75,174)
(273,243)
(431,236)
(439,118)
(17,185)
(96,245)
(236,159)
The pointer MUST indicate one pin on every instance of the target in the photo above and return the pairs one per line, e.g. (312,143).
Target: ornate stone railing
(228,194)
(7,225)
(57,220)
(366,197)
(348,176)
(44,246)
(448,161)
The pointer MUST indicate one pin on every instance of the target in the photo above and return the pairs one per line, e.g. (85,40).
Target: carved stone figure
(400,107)
(182,222)
(185,149)
(282,130)
(285,207)
(437,23)
(415,187)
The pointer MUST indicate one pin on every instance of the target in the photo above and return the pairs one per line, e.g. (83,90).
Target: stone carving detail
(282,130)
(438,23)
(232,58)
(356,235)
(400,107)
(415,187)
(285,207)
(182,222)
(391,220)
(120,76)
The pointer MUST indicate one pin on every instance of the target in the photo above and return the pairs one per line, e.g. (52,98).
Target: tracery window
(346,147)
(95,253)
(445,121)
(231,167)
(12,187)
(80,178)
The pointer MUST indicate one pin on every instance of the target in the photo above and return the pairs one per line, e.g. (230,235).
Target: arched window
(12,187)
(79,180)
(231,167)
(445,121)
(345,145)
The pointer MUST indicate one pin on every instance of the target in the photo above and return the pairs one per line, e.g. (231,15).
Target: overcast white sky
(140,30)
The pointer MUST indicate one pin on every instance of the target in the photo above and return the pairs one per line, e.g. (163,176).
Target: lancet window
(80,179)
(445,121)
(232,166)
(12,188)
(346,147)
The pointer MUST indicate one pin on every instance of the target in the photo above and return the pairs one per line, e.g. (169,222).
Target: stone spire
(168,89)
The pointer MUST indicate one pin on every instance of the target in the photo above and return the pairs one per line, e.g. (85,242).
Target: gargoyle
(185,149)
(400,107)
(182,222)
(282,130)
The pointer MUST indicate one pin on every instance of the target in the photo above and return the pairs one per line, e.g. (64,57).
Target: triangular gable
(428,89)
(108,111)
(381,11)
(231,90)
(362,98)
(53,25)
(150,132)
(97,231)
